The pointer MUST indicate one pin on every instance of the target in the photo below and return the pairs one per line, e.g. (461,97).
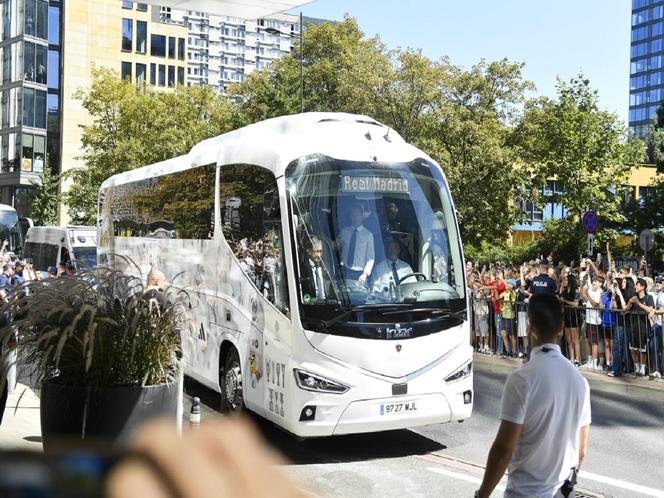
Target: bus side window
(251,224)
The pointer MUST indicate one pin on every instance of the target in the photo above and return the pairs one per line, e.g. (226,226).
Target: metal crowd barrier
(617,341)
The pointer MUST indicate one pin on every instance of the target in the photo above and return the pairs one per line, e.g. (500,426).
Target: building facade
(29,81)
(223,50)
(640,181)
(646,82)
(125,36)
(47,52)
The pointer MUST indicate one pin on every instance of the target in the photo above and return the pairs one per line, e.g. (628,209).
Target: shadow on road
(358,447)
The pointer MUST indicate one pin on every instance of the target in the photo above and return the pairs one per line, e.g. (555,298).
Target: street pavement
(624,458)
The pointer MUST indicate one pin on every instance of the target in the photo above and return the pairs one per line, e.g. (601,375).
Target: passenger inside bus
(314,279)
(356,244)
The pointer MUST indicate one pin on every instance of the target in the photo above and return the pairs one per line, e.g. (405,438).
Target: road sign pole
(591,242)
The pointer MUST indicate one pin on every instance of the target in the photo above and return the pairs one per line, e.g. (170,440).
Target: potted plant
(104,348)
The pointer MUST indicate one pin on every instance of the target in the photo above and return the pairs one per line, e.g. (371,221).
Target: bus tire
(232,400)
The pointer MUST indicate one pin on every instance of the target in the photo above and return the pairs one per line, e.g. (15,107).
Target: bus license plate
(393,408)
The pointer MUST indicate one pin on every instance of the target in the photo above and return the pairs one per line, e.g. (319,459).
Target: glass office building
(646,82)
(29,98)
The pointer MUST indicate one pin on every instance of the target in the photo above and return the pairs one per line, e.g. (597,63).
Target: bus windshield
(375,241)
(10,230)
(85,257)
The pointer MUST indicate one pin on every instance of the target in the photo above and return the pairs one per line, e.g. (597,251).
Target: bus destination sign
(381,184)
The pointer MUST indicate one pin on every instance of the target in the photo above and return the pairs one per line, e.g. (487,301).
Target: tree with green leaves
(468,132)
(570,139)
(45,198)
(342,69)
(132,126)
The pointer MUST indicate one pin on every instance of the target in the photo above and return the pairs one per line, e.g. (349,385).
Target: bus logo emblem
(398,346)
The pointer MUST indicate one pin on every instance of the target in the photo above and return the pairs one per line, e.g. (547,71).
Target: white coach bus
(323,260)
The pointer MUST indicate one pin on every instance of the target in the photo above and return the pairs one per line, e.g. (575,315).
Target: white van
(47,246)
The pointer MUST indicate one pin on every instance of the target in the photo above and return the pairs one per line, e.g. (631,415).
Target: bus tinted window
(175,206)
(251,223)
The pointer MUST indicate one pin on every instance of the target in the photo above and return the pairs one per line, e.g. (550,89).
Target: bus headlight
(461,373)
(316,383)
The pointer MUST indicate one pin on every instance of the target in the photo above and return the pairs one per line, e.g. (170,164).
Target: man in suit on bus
(314,284)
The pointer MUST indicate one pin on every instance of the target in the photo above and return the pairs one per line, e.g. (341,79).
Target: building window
(127,5)
(40,109)
(27,152)
(141,37)
(30,17)
(127,28)
(41,62)
(162,75)
(42,20)
(180,76)
(53,72)
(171,47)
(29,61)
(140,73)
(142,7)
(28,107)
(54,25)
(181,49)
(171,75)
(126,71)
(53,113)
(158,45)
(153,74)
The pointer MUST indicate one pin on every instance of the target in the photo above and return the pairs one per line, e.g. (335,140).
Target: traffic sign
(590,222)
(591,244)
(647,240)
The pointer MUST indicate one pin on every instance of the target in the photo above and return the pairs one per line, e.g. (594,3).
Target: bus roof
(275,142)
(5,207)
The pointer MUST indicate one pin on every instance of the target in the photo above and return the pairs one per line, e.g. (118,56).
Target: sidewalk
(20,426)
(643,387)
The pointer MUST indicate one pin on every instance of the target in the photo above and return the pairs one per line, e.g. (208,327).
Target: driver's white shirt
(382,274)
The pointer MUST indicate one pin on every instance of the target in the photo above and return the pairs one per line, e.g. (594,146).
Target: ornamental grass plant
(98,328)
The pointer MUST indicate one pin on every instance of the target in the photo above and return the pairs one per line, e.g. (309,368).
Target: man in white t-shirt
(545,415)
(592,295)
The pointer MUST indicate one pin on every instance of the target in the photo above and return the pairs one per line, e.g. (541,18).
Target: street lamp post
(275,31)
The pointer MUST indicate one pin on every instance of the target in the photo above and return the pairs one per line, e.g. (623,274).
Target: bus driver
(391,269)
(357,247)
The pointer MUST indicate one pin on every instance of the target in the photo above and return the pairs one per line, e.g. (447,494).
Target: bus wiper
(434,311)
(346,312)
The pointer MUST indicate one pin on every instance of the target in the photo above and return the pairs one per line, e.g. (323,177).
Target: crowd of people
(16,272)
(613,318)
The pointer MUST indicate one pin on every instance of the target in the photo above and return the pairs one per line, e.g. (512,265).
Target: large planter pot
(113,413)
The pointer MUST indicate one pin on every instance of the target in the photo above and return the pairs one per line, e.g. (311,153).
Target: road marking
(618,483)
(462,477)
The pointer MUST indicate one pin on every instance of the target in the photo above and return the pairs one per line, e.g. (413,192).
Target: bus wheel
(231,395)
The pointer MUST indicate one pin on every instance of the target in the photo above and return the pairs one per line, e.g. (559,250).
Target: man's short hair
(544,266)
(7,266)
(642,282)
(69,266)
(545,313)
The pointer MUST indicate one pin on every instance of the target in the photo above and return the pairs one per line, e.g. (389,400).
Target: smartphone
(68,474)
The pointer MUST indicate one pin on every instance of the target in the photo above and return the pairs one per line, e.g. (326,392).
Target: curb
(597,382)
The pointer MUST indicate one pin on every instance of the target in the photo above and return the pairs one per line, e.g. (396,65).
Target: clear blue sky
(554,38)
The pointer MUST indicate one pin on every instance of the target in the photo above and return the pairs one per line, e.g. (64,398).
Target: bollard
(195,413)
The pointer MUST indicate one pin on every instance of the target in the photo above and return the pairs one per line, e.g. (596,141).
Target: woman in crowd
(569,296)
(623,291)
